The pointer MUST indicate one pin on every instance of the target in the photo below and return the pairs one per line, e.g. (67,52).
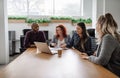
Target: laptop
(43,47)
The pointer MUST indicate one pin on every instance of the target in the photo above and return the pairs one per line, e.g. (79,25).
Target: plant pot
(16,21)
(43,24)
(88,24)
(74,24)
(61,21)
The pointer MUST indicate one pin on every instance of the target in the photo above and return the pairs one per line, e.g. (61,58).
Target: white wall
(87,8)
(4,53)
(94,13)
(100,7)
(113,7)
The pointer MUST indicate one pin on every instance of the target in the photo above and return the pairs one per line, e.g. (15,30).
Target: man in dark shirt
(34,35)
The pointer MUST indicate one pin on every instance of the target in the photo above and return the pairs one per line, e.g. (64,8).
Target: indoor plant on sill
(88,22)
(16,19)
(56,19)
(30,21)
(41,22)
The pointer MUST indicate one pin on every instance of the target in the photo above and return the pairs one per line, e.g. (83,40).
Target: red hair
(63,30)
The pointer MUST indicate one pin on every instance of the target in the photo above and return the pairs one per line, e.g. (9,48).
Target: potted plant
(87,22)
(16,19)
(74,21)
(30,21)
(57,19)
(41,22)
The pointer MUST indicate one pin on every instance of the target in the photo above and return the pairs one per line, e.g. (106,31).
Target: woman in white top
(61,37)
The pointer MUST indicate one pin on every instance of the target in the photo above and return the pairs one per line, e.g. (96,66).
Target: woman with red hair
(61,37)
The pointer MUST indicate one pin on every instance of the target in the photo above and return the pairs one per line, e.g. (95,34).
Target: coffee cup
(59,52)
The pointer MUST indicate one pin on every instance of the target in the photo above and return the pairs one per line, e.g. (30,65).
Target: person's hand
(32,46)
(84,56)
(94,53)
(53,44)
(63,45)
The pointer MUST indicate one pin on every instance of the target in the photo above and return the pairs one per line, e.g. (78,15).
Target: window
(45,7)
(17,7)
(39,7)
(67,7)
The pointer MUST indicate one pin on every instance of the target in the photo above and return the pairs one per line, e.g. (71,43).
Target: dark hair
(84,31)
(84,34)
(63,30)
(34,24)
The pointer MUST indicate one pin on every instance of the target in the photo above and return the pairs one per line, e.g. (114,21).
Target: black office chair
(22,49)
(91,33)
(25,31)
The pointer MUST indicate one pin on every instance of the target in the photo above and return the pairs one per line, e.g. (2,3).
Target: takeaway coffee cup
(59,52)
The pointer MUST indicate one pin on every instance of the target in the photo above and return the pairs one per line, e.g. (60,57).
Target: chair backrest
(91,32)
(93,43)
(45,32)
(25,30)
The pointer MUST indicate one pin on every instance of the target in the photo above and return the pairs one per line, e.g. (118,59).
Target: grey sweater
(108,54)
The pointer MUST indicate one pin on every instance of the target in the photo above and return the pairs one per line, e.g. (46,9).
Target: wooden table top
(40,65)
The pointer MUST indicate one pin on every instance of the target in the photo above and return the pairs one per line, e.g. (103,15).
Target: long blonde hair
(108,26)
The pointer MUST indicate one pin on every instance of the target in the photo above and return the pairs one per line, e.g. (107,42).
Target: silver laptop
(43,47)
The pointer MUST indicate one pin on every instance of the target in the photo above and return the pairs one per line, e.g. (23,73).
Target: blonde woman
(108,52)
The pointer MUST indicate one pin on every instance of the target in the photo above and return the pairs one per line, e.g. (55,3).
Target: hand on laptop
(63,45)
(53,44)
(32,46)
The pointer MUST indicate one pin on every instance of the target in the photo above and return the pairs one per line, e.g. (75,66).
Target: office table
(31,64)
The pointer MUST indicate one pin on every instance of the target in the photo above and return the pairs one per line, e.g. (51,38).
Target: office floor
(11,59)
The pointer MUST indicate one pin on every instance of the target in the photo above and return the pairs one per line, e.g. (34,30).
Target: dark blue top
(75,42)
(32,36)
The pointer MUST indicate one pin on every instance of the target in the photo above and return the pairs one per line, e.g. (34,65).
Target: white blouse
(60,42)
